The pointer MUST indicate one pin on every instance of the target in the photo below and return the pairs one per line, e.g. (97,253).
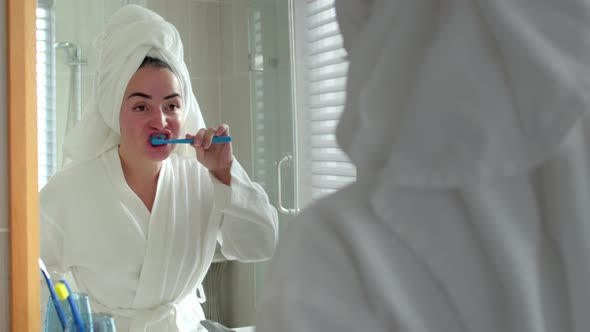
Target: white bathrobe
(467,121)
(144,267)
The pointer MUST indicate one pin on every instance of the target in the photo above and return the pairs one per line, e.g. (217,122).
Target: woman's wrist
(223,175)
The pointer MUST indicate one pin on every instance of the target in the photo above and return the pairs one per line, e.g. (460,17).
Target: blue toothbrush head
(158,139)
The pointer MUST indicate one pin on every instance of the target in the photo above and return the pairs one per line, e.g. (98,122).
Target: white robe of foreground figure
(468,124)
(145,267)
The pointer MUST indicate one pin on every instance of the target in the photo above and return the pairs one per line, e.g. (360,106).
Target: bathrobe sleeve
(51,232)
(249,223)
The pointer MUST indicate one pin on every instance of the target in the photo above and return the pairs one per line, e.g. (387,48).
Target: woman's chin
(159,153)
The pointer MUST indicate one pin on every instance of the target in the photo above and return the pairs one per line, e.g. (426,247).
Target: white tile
(177,13)
(65,25)
(227,95)
(4,282)
(109,8)
(204,39)
(62,95)
(78,23)
(142,3)
(226,19)
(241,305)
(157,6)
(241,38)
(282,37)
(87,85)
(90,21)
(235,111)
(207,94)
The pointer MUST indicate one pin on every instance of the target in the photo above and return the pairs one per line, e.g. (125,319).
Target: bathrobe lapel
(160,239)
(179,247)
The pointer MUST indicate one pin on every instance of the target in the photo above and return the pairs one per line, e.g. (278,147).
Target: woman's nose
(158,119)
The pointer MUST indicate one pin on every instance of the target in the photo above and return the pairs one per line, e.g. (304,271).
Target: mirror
(276,63)
(238,53)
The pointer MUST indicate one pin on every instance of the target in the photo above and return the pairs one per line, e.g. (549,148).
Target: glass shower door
(272,98)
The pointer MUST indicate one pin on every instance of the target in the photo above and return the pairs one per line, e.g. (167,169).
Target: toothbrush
(63,291)
(161,140)
(54,299)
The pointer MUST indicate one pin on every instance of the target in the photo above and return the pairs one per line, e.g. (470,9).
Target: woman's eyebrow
(172,96)
(139,94)
(143,95)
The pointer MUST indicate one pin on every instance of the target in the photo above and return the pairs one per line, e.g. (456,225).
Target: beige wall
(4,241)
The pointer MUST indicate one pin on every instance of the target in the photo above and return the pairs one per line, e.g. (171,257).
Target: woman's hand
(217,158)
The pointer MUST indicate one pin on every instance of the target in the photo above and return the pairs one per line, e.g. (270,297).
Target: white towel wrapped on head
(132,34)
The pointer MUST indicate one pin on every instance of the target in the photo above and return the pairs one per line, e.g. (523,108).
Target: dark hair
(154,63)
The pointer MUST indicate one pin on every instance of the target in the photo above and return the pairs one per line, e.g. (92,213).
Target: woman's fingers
(222,130)
(204,136)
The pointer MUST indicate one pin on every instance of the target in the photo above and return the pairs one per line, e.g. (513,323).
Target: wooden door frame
(22,165)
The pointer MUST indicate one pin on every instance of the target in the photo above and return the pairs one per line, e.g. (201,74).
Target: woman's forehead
(154,80)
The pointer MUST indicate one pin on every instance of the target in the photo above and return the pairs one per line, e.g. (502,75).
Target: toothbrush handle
(221,139)
(74,308)
(181,140)
(216,139)
(53,298)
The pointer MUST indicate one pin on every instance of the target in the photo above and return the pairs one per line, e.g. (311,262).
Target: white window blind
(258,97)
(45,91)
(330,168)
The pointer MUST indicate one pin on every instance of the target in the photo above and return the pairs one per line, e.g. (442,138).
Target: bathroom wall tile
(178,14)
(235,111)
(175,12)
(241,37)
(78,23)
(282,37)
(90,21)
(227,96)
(61,106)
(158,6)
(226,18)
(110,7)
(240,290)
(65,30)
(142,3)
(205,39)
(207,94)
(87,85)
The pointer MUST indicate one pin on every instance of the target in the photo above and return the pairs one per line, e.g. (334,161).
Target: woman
(468,123)
(137,225)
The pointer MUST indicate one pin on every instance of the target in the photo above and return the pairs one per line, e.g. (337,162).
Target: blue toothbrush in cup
(160,139)
(53,295)
(64,292)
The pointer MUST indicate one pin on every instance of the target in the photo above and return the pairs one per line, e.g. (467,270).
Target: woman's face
(152,105)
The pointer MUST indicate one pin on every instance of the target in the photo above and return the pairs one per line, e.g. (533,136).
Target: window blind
(46,125)
(330,167)
(258,98)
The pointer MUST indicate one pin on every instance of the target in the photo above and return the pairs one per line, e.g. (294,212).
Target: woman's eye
(173,107)
(140,108)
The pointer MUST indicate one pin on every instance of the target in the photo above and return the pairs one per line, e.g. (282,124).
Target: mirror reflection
(272,70)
